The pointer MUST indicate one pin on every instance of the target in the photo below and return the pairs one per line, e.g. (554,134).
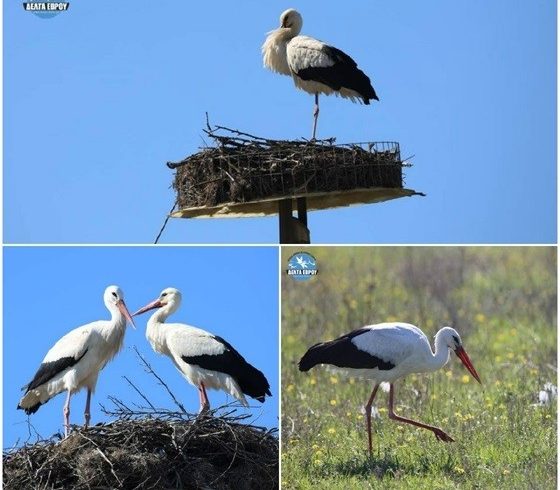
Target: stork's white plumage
(385,353)
(315,67)
(75,361)
(205,360)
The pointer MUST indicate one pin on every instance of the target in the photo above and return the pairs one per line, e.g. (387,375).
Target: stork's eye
(114,294)
(456,339)
(163,294)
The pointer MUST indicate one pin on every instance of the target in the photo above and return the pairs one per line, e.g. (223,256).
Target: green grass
(503,303)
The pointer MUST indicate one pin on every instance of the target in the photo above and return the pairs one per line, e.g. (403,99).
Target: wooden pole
(302,209)
(293,230)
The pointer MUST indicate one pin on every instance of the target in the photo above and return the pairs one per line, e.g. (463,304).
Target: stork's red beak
(465,359)
(124,310)
(150,306)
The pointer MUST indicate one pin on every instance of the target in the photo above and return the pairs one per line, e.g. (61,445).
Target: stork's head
(291,19)
(450,337)
(169,298)
(114,301)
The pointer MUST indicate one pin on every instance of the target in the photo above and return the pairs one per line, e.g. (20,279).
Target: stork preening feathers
(315,67)
(385,353)
(75,361)
(205,360)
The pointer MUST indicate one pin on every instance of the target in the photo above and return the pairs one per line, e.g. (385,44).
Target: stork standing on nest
(385,353)
(75,361)
(315,66)
(205,360)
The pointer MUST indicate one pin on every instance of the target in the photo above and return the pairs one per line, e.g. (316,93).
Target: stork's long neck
(118,320)
(441,355)
(113,331)
(155,329)
(274,50)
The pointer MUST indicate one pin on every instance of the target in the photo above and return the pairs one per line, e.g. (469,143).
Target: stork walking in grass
(385,353)
(316,67)
(75,361)
(205,360)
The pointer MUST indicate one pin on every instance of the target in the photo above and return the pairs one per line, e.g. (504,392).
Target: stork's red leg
(66,413)
(440,435)
(204,403)
(368,416)
(315,115)
(87,414)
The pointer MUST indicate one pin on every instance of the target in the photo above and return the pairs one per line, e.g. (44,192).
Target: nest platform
(246,176)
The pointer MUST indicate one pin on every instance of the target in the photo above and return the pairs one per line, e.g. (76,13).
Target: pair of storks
(205,360)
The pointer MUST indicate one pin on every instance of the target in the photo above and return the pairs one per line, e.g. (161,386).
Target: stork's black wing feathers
(343,353)
(251,381)
(343,73)
(48,370)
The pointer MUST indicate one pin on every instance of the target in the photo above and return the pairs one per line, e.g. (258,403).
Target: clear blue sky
(99,98)
(232,292)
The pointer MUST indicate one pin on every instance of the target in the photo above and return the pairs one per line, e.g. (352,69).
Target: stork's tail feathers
(29,403)
(253,383)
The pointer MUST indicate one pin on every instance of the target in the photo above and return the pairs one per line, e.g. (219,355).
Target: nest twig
(242,167)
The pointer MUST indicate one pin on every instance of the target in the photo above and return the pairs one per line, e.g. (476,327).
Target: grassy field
(503,303)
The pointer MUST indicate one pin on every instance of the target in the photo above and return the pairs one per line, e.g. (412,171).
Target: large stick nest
(165,450)
(240,167)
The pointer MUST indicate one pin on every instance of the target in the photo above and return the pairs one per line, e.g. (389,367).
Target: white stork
(315,66)
(204,360)
(385,353)
(75,360)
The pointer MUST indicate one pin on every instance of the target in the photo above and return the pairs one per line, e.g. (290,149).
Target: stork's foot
(442,436)
(204,409)
(87,418)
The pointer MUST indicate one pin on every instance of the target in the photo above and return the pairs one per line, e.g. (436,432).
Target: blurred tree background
(462,287)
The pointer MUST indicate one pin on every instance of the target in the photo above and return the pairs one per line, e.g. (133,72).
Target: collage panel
(182,369)
(378,337)
(431,129)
